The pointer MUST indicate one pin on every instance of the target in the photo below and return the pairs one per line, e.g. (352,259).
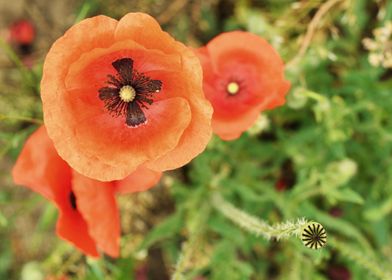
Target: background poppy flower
(118,94)
(89,215)
(22,32)
(243,75)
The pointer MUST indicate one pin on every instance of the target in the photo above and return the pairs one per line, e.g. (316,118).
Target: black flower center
(128,92)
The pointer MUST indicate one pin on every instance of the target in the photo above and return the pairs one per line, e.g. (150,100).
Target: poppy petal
(93,67)
(97,204)
(145,30)
(140,180)
(73,228)
(231,44)
(199,131)
(231,130)
(39,168)
(77,40)
(158,135)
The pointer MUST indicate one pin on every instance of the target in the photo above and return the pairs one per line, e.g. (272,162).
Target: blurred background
(326,155)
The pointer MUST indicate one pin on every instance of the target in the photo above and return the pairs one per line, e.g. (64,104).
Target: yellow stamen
(233,88)
(127,93)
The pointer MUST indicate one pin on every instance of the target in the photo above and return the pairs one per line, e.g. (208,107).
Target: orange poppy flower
(89,215)
(243,75)
(118,94)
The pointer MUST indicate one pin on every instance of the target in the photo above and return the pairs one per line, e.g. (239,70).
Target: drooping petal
(97,204)
(39,168)
(72,227)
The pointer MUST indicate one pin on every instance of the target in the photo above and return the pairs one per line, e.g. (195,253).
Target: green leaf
(165,229)
(346,195)
(380,211)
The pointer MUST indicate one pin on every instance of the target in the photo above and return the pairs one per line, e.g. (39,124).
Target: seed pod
(314,236)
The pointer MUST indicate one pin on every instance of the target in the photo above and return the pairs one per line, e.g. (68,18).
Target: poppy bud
(22,32)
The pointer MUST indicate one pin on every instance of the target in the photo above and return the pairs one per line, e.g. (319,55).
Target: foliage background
(325,155)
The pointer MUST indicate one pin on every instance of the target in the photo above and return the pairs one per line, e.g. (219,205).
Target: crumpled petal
(97,203)
(39,168)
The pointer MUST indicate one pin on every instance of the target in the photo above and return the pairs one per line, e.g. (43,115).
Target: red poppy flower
(118,94)
(243,75)
(22,32)
(89,215)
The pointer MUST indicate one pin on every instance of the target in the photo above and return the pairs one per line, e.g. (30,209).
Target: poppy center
(129,92)
(233,88)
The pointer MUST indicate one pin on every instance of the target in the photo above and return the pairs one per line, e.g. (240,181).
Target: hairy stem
(255,225)
(192,244)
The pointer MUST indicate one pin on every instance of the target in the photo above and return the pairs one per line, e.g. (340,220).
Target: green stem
(255,225)
(196,230)
(21,118)
(11,54)
(26,73)
(84,11)
(315,96)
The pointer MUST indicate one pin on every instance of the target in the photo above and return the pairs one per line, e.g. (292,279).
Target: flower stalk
(261,228)
(189,247)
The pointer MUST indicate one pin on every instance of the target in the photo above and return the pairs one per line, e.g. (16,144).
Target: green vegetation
(325,156)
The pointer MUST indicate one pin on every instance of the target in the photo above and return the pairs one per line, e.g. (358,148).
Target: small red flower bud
(280,185)
(338,272)
(22,32)
(336,212)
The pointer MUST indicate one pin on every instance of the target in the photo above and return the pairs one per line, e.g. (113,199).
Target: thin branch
(171,11)
(192,244)
(21,118)
(255,225)
(322,11)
